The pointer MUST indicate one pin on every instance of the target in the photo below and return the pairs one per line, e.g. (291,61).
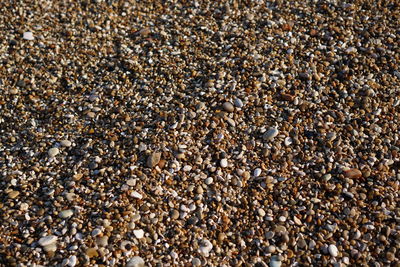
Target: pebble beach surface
(199,133)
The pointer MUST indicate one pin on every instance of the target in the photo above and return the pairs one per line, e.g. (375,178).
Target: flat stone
(205,247)
(72,261)
(13,194)
(174,214)
(238,103)
(53,152)
(136,194)
(28,36)
(102,241)
(66,214)
(92,252)
(135,262)
(47,240)
(270,134)
(66,143)
(153,159)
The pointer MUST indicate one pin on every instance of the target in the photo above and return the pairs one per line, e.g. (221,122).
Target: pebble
(92,252)
(66,213)
(270,134)
(261,212)
(102,241)
(47,240)
(223,163)
(136,194)
(135,262)
(53,152)
(28,36)
(72,261)
(65,143)
(238,103)
(205,247)
(333,250)
(228,107)
(196,262)
(153,159)
(138,233)
(257,172)
(13,194)
(174,214)
(353,173)
(275,261)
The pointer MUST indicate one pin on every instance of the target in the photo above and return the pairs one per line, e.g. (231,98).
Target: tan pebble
(13,194)
(228,107)
(153,159)
(92,252)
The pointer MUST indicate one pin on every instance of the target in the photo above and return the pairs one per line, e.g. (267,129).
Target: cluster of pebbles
(199,133)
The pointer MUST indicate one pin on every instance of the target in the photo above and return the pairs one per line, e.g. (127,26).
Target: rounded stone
(270,134)
(66,214)
(53,152)
(47,240)
(228,107)
(66,143)
(333,250)
(135,262)
(223,163)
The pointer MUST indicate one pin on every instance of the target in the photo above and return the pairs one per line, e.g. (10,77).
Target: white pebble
(66,214)
(135,262)
(138,233)
(53,152)
(96,232)
(209,181)
(333,250)
(257,172)
(205,248)
(72,261)
(223,163)
(136,194)
(47,240)
(65,143)
(28,36)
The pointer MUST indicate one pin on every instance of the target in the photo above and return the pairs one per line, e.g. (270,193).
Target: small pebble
(238,103)
(196,262)
(270,134)
(66,143)
(223,163)
(66,213)
(353,173)
(138,233)
(47,240)
(28,36)
(228,107)
(257,172)
(153,159)
(333,250)
(53,152)
(135,262)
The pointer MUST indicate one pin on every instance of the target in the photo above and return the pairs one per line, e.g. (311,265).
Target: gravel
(205,133)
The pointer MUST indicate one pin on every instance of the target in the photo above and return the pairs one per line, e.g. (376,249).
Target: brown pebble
(153,159)
(353,173)
(92,252)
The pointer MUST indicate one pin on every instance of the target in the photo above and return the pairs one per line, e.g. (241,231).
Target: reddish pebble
(353,173)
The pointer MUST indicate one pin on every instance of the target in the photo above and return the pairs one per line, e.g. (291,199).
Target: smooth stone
(257,172)
(47,240)
(138,233)
(50,248)
(28,36)
(275,261)
(228,107)
(96,232)
(270,134)
(353,173)
(131,182)
(13,194)
(209,181)
(153,159)
(223,163)
(102,241)
(66,214)
(271,249)
(333,250)
(261,212)
(238,103)
(72,261)
(196,262)
(66,143)
(135,262)
(53,152)
(174,214)
(136,194)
